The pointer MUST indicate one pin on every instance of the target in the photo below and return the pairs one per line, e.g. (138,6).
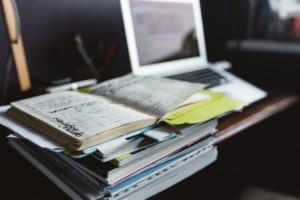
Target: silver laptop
(166,38)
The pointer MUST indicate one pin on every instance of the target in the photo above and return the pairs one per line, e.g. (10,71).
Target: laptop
(166,38)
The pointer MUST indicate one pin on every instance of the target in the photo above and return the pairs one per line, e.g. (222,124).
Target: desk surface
(237,122)
(15,172)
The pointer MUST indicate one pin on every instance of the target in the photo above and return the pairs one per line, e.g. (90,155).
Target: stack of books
(127,138)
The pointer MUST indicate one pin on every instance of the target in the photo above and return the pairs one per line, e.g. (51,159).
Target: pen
(110,53)
(84,53)
(106,57)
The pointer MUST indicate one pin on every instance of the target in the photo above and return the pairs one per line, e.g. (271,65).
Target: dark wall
(48,26)
(47,29)
(3,48)
(215,27)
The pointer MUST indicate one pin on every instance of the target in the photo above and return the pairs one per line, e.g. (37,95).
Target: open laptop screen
(164,31)
(164,37)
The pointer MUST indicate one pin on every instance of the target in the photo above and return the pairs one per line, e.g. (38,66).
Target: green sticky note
(117,160)
(218,104)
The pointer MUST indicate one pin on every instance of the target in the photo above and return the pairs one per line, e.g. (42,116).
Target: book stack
(127,138)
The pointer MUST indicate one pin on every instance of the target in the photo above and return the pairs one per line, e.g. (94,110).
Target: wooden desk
(237,122)
(38,186)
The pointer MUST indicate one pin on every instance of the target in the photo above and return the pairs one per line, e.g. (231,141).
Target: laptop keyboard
(206,76)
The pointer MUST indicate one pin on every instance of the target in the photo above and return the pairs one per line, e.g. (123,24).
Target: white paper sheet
(27,133)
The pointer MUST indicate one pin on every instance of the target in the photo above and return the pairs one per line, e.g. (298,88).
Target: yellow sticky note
(218,104)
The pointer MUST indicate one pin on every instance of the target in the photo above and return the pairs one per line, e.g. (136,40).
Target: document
(153,95)
(79,115)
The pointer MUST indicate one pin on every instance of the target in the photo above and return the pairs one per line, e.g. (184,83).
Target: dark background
(47,29)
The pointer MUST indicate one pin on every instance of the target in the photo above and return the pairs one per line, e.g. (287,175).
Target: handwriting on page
(81,115)
(153,95)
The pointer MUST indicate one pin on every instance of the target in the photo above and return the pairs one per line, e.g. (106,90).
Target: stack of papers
(131,165)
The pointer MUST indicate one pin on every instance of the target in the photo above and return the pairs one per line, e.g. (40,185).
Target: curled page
(153,95)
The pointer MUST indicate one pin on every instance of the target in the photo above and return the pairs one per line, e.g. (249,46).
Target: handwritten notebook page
(79,115)
(153,95)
